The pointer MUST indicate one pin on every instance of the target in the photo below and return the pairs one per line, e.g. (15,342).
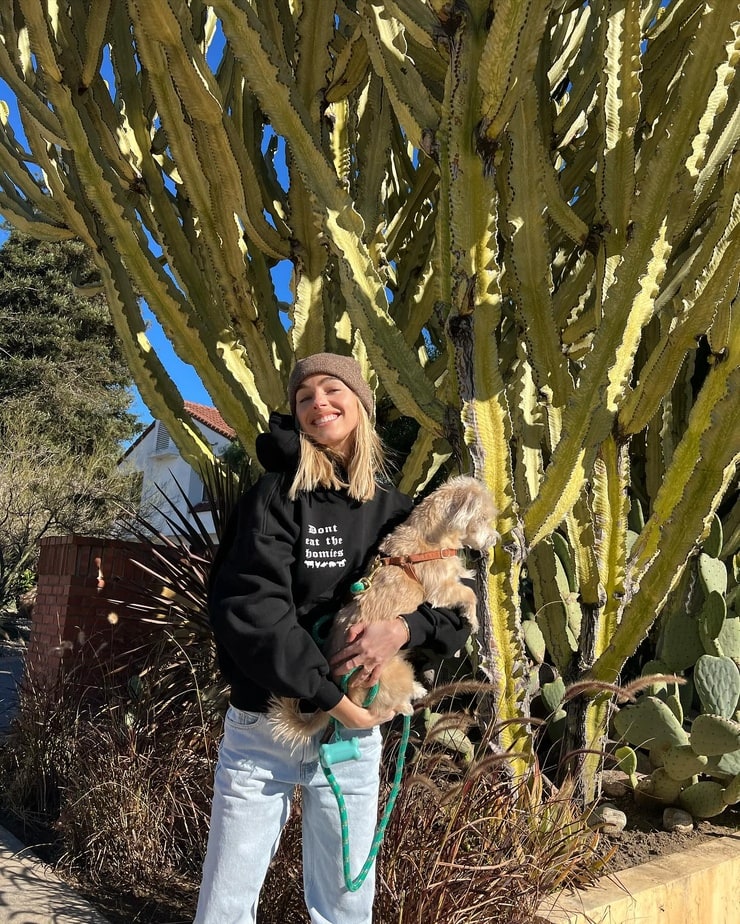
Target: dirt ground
(644,838)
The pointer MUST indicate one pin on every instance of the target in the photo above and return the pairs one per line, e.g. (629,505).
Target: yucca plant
(522,218)
(178,667)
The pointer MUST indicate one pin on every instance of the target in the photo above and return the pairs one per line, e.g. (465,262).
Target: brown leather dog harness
(407,562)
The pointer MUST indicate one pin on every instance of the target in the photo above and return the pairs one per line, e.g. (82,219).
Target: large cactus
(522,215)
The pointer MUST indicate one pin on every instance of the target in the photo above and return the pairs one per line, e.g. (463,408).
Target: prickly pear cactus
(717,683)
(703,799)
(650,723)
(692,731)
(714,735)
(681,762)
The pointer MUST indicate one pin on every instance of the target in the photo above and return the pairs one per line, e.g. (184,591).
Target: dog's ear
(465,509)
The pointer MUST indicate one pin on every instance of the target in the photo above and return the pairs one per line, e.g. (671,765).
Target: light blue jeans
(252,793)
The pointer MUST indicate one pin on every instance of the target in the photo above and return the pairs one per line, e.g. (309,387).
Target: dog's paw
(419,691)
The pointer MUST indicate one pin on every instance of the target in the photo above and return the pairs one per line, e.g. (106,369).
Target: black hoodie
(283,564)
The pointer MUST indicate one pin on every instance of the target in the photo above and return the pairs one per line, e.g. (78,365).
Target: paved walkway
(31,894)
(11,671)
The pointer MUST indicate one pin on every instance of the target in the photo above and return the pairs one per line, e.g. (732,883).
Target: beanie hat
(344,368)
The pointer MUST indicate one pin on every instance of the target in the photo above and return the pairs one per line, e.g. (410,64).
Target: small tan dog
(417,563)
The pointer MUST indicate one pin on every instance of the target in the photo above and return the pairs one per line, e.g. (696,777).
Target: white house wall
(164,469)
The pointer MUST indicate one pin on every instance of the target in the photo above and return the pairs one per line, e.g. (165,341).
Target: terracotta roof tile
(211,418)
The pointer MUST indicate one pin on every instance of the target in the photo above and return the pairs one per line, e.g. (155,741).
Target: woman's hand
(369,647)
(354,716)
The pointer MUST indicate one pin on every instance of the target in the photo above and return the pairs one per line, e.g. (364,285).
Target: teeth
(323,420)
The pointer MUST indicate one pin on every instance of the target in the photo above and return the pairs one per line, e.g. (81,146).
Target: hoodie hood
(279,449)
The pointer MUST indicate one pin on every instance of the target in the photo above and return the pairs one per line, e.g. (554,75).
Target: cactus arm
(23,190)
(374,147)
(610,505)
(621,110)
(415,293)
(188,98)
(567,37)
(417,19)
(310,309)
(574,291)
(26,220)
(313,34)
(529,261)
(99,187)
(721,151)
(527,420)
(165,227)
(32,211)
(63,188)
(272,312)
(580,530)
(629,301)
(39,39)
(401,224)
(559,211)
(350,69)
(416,110)
(580,526)
(423,462)
(307,333)
(486,431)
(551,611)
(13,74)
(95,29)
(703,464)
(155,385)
(716,286)
(508,59)
(717,102)
(475,312)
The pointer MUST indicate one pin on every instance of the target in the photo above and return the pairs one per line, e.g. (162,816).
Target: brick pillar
(73,616)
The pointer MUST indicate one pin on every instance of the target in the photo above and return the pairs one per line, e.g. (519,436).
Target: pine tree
(64,405)
(61,360)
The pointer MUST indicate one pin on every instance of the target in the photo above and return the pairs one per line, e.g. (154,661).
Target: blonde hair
(320,468)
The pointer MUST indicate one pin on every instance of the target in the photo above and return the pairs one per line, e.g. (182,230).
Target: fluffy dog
(457,515)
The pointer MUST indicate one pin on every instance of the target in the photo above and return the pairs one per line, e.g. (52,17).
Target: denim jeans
(252,793)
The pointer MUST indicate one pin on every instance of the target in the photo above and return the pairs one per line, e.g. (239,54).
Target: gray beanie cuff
(344,368)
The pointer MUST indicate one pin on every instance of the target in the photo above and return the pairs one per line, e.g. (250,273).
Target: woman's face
(327,411)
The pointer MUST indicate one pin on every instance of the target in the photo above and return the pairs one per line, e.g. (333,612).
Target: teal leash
(341,750)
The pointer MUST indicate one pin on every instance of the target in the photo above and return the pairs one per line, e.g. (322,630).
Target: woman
(299,538)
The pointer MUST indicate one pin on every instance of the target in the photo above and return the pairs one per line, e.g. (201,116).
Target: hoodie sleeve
(441,630)
(251,603)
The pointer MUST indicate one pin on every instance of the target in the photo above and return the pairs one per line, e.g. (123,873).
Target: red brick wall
(74,621)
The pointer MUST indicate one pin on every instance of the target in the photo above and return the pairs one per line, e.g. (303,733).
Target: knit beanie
(344,368)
